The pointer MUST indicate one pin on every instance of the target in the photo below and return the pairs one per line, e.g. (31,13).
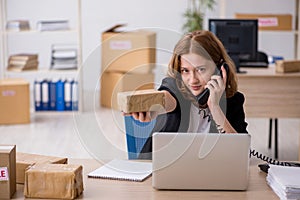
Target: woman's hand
(142,116)
(216,87)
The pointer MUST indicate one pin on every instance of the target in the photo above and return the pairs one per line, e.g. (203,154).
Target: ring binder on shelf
(67,95)
(45,95)
(37,95)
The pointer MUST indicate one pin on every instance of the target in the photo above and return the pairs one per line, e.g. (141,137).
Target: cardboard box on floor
(14,101)
(55,181)
(114,82)
(25,160)
(281,22)
(7,171)
(125,51)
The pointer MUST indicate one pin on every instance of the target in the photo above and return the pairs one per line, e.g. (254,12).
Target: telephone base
(265,167)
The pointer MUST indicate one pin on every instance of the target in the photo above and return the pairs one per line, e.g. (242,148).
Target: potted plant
(194,14)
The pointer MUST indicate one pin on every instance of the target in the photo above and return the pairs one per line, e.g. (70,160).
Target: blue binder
(52,95)
(45,95)
(37,95)
(75,95)
(136,135)
(60,105)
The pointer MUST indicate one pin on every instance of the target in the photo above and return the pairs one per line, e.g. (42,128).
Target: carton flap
(113,29)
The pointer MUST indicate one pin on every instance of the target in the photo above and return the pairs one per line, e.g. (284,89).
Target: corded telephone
(202,100)
(203,97)
(265,167)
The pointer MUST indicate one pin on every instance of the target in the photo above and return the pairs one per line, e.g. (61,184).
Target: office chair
(136,135)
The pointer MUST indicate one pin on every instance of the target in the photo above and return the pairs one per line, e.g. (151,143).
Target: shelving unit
(39,42)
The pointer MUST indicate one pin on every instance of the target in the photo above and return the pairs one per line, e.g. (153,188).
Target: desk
(269,94)
(112,189)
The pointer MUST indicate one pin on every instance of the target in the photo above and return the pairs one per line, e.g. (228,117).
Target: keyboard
(253,64)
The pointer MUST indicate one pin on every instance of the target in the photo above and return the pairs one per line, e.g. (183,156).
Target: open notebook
(123,170)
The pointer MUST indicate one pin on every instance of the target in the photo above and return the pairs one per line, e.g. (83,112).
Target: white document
(123,170)
(285,181)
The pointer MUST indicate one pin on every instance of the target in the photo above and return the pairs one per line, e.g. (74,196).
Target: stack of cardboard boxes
(42,176)
(128,60)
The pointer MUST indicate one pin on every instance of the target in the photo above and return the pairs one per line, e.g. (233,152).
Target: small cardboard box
(287,66)
(55,181)
(112,83)
(281,22)
(141,100)
(25,160)
(14,101)
(7,171)
(126,51)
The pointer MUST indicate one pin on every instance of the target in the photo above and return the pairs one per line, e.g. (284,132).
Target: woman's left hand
(216,87)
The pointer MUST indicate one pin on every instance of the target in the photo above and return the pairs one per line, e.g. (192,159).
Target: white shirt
(200,120)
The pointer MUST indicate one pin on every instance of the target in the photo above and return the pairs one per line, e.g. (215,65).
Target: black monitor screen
(239,36)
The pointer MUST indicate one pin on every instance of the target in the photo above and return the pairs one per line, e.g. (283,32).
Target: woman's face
(196,72)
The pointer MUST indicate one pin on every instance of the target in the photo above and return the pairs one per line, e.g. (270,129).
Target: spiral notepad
(123,170)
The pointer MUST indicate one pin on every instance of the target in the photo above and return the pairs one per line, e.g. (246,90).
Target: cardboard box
(126,51)
(141,100)
(282,22)
(7,171)
(14,101)
(25,160)
(55,181)
(112,83)
(287,66)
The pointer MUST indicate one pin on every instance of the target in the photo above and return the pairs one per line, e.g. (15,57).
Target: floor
(100,134)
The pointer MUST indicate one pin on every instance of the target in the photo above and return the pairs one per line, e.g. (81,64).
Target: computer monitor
(239,36)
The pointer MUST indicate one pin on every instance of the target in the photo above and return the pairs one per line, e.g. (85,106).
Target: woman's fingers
(142,116)
(216,82)
(224,74)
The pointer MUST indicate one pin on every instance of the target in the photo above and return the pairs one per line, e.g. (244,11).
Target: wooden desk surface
(266,72)
(269,94)
(113,189)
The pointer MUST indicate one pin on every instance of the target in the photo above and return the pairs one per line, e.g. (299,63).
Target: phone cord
(268,159)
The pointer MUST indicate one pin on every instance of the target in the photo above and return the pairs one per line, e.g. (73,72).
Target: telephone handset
(203,97)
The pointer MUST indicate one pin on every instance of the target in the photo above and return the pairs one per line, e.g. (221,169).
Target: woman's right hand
(143,116)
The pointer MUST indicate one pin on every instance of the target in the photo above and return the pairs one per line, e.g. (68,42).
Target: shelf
(11,32)
(279,31)
(46,72)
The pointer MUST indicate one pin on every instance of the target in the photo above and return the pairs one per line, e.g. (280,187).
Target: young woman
(197,59)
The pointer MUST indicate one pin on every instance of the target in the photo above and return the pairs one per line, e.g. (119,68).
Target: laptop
(196,161)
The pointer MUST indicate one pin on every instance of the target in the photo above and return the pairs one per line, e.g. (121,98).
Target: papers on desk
(123,170)
(285,181)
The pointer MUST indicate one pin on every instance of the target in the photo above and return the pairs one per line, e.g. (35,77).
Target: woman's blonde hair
(207,45)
